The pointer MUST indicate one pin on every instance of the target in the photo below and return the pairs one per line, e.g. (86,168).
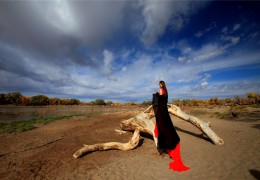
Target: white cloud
(158,14)
(208,29)
(253,35)
(236,27)
(184,47)
(156,17)
(108,60)
(238,59)
(232,39)
(207,52)
(231,88)
(178,22)
(224,30)
(204,84)
(124,69)
(181,59)
(59,15)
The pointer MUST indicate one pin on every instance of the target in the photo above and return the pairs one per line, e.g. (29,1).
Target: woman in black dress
(168,139)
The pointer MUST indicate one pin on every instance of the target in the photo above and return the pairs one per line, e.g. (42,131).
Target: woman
(168,139)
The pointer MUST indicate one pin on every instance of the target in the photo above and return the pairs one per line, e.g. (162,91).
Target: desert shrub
(214,101)
(147,103)
(2,99)
(55,101)
(39,100)
(177,102)
(117,104)
(130,104)
(109,103)
(25,101)
(74,101)
(12,98)
(253,98)
(99,102)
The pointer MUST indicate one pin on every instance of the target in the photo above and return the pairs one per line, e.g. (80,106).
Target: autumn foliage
(17,98)
(40,100)
(251,98)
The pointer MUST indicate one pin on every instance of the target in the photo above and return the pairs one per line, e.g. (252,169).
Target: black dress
(167,135)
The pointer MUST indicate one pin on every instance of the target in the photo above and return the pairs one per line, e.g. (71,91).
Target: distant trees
(214,101)
(101,102)
(2,98)
(11,98)
(74,102)
(189,102)
(98,102)
(252,98)
(55,101)
(39,100)
(25,101)
(16,98)
(147,103)
(130,104)
(109,103)
(228,101)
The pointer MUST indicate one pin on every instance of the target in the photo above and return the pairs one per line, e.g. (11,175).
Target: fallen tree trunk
(201,125)
(133,142)
(145,122)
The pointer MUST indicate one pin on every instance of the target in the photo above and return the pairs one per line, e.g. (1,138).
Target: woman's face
(160,85)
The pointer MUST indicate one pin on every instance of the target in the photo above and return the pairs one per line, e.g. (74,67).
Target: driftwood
(133,142)
(145,122)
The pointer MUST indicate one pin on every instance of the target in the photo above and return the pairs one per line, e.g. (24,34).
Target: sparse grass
(17,127)
(222,115)
(255,105)
(198,113)
(87,116)
(21,126)
(228,113)
(45,115)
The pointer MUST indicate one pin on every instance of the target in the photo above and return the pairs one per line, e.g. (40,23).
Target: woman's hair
(164,87)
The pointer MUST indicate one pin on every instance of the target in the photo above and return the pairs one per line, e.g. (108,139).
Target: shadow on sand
(255,173)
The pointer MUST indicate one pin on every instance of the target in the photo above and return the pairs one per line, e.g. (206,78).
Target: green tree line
(250,99)
(16,98)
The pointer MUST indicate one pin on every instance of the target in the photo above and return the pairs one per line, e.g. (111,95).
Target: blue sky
(120,50)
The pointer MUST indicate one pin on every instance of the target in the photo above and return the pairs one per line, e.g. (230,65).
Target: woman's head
(163,85)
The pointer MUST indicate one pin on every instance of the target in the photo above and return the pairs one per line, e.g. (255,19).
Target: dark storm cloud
(37,29)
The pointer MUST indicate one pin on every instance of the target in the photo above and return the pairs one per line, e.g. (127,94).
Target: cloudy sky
(120,50)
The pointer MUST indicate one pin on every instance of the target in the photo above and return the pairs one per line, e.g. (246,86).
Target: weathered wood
(201,125)
(133,142)
(120,131)
(145,122)
(142,123)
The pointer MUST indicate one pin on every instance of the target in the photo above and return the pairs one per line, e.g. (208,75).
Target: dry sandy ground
(238,158)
